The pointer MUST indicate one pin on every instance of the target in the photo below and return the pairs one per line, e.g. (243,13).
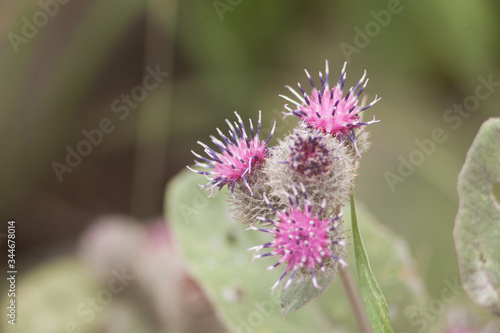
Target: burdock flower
(303,240)
(324,166)
(328,109)
(238,155)
(309,154)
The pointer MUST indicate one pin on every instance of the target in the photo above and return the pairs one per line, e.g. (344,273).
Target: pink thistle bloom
(309,154)
(302,240)
(238,154)
(328,109)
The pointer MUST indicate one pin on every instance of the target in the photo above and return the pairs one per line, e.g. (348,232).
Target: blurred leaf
(376,306)
(50,295)
(477,225)
(216,251)
(215,247)
(63,296)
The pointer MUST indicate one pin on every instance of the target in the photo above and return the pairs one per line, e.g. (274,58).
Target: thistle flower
(328,109)
(238,154)
(303,240)
(309,154)
(324,166)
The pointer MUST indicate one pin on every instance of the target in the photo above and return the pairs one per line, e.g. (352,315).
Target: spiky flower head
(303,240)
(303,157)
(324,166)
(309,154)
(238,154)
(328,109)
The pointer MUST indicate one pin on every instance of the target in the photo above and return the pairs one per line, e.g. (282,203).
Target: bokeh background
(65,71)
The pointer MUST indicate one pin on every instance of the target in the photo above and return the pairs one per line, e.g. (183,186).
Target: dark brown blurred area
(50,211)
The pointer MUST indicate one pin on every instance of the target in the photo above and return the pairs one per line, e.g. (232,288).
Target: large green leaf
(375,304)
(215,248)
(477,225)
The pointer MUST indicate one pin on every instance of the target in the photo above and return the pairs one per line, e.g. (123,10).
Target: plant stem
(355,300)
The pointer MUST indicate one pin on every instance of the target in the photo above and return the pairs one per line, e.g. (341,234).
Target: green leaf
(47,296)
(215,248)
(375,304)
(54,297)
(302,291)
(477,225)
(393,265)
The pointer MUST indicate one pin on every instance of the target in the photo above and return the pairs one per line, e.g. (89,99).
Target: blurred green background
(66,66)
